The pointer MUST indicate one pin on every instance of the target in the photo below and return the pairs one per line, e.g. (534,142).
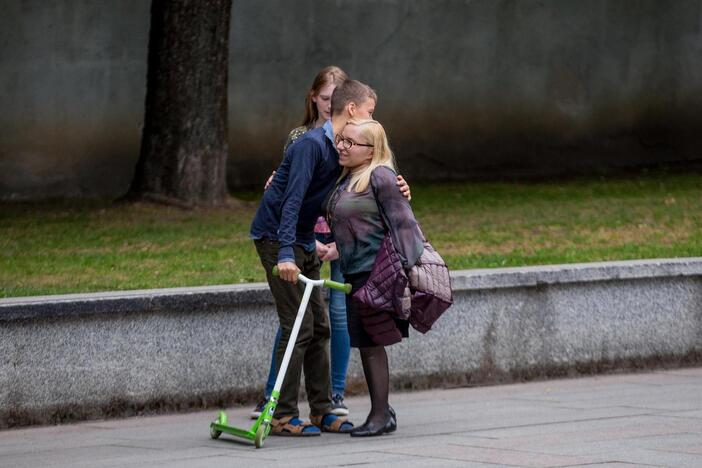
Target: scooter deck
(235,431)
(258,432)
(220,425)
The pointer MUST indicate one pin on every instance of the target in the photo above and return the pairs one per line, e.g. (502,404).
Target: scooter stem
(309,286)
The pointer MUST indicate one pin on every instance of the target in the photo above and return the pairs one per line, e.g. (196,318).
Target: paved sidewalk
(652,419)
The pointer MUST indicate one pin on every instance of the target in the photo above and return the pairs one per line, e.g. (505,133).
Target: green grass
(54,248)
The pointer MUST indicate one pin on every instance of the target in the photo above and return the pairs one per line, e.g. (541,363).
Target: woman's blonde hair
(326,76)
(374,134)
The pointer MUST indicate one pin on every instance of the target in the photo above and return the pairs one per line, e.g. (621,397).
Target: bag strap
(383,218)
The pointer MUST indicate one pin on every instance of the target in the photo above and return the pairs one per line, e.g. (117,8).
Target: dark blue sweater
(292,203)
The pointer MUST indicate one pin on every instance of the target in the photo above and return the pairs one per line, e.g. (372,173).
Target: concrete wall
(113,354)
(468,89)
(72,87)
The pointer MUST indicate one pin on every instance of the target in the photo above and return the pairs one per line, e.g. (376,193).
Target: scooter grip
(344,287)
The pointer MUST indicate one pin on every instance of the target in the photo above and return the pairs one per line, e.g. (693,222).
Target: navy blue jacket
(293,202)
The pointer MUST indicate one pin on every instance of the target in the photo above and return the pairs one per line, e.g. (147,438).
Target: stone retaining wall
(88,356)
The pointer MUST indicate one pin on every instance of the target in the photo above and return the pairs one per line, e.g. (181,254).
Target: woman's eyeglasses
(348,144)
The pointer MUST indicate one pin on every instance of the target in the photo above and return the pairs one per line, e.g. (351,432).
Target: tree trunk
(184,141)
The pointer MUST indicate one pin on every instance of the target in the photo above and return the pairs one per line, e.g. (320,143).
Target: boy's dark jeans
(311,351)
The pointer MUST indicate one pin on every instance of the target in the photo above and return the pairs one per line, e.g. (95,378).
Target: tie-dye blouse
(359,228)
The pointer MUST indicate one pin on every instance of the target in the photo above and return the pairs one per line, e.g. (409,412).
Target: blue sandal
(290,426)
(332,423)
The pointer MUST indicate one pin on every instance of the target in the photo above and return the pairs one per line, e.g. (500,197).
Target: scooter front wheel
(214,433)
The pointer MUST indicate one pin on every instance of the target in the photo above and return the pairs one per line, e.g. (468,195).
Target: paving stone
(527,425)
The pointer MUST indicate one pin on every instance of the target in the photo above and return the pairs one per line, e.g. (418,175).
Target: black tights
(375,368)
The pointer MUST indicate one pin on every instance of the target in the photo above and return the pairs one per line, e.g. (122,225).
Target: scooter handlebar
(344,287)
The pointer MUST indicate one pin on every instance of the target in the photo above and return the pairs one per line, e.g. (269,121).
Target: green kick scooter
(260,429)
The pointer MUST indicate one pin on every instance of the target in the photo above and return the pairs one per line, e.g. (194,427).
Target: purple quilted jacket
(388,293)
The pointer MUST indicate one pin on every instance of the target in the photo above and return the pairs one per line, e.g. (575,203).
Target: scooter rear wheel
(261,434)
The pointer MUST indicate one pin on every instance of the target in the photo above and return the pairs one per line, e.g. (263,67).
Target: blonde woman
(364,206)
